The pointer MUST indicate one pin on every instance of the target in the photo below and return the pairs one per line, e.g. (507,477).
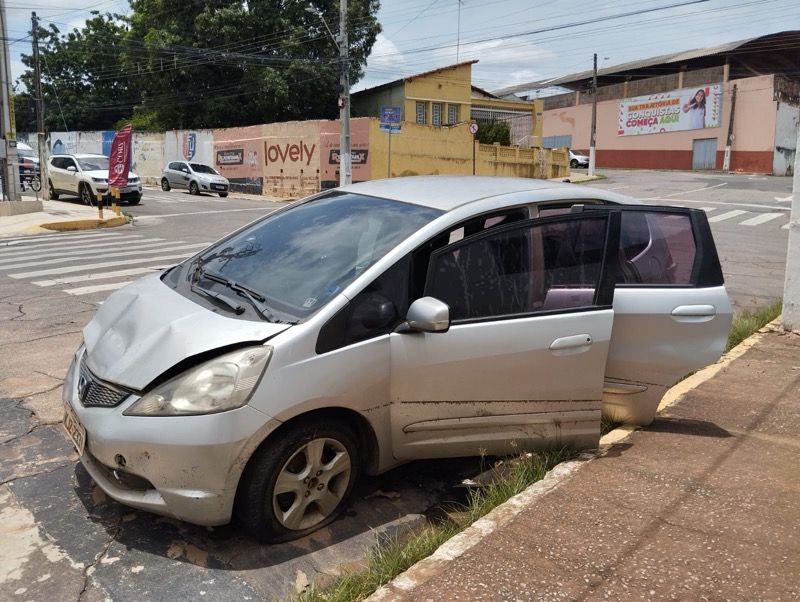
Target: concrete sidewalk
(59,215)
(704,504)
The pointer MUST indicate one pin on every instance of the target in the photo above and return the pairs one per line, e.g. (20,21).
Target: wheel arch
(365,434)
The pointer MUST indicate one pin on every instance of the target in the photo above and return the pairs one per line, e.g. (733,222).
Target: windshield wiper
(254,297)
(225,300)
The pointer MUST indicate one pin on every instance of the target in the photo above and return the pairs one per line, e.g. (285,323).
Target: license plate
(74,428)
(218,186)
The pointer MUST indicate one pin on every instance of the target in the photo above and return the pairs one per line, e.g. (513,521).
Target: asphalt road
(61,538)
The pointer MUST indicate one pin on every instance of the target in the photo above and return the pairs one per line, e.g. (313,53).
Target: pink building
(675,111)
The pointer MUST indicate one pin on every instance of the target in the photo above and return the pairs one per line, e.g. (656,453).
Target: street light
(345,169)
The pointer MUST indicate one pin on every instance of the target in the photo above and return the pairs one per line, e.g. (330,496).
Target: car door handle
(694,313)
(577,343)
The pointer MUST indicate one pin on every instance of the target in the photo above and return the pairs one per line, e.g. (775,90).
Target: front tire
(573,164)
(223,194)
(193,189)
(135,200)
(298,482)
(86,195)
(165,185)
(53,193)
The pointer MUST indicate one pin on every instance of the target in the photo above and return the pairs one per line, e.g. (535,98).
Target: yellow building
(445,97)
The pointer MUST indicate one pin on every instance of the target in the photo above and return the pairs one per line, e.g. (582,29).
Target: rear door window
(656,248)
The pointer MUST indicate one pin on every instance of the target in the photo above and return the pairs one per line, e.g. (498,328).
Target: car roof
(448,192)
(79,155)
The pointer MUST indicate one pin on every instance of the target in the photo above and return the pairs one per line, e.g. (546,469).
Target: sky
(425,34)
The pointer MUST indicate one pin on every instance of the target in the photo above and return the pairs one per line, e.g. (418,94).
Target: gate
(704,153)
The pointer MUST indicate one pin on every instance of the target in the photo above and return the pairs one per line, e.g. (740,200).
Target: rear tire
(193,189)
(299,481)
(53,193)
(165,185)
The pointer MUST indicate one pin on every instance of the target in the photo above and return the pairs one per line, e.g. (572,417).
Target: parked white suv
(85,176)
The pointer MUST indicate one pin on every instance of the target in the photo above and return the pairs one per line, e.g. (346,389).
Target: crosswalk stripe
(70,269)
(707,209)
(39,262)
(723,216)
(129,245)
(37,237)
(761,219)
(786,226)
(65,243)
(100,276)
(85,290)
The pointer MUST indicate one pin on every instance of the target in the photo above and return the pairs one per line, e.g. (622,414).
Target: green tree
(220,63)
(81,86)
(494,131)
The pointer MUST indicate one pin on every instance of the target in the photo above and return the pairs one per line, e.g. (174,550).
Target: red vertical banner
(119,159)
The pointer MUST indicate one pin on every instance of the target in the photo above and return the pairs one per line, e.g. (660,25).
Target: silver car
(194,177)
(383,322)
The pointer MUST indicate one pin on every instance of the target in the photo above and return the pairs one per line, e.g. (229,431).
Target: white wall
(786,124)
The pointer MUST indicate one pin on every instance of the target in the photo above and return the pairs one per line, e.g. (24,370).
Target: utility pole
(593,135)
(790,317)
(345,168)
(9,168)
(726,162)
(39,104)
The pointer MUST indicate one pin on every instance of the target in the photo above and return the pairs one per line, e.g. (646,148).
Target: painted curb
(456,546)
(85,224)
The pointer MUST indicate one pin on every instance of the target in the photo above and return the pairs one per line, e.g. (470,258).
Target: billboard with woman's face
(673,111)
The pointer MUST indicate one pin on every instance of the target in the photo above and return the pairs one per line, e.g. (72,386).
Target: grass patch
(747,322)
(607,425)
(394,555)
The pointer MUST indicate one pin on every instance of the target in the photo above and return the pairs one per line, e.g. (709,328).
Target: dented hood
(146,328)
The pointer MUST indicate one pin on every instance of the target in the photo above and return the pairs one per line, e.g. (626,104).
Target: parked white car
(384,322)
(578,159)
(86,176)
(194,177)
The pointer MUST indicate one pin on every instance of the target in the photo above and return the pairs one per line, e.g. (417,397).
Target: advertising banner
(119,161)
(673,111)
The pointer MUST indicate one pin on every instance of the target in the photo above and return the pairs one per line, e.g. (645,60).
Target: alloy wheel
(311,484)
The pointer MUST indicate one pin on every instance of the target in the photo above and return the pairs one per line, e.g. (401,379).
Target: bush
(494,131)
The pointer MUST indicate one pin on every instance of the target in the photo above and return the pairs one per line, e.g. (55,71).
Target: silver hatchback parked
(194,177)
(384,322)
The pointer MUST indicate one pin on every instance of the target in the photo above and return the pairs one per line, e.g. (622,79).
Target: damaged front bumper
(186,467)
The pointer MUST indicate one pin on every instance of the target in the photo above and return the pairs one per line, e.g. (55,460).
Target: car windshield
(24,152)
(301,258)
(93,163)
(200,168)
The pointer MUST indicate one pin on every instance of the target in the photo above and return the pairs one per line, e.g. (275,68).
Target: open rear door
(672,314)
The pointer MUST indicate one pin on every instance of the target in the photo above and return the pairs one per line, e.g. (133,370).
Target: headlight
(69,379)
(100,180)
(221,384)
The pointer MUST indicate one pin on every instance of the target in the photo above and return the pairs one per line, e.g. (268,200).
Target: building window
(452,114)
(420,112)
(436,113)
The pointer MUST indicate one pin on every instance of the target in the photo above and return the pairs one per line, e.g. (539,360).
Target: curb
(85,224)
(456,546)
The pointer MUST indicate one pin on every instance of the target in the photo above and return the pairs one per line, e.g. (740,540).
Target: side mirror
(72,168)
(427,314)
(375,311)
